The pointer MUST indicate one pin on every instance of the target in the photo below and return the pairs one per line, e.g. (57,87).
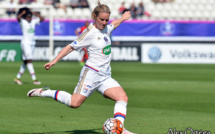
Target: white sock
(61,96)
(21,71)
(31,70)
(120,110)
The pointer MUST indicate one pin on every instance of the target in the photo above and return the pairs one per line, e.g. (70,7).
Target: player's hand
(23,12)
(126,15)
(49,65)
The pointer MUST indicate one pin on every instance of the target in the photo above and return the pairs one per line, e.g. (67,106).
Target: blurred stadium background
(171,9)
(161,96)
(185,25)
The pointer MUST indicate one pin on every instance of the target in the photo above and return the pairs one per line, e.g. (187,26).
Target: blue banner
(128,28)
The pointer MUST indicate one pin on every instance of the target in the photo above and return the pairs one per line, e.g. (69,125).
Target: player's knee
(75,105)
(123,97)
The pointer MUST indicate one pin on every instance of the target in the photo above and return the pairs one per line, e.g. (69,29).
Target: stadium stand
(173,10)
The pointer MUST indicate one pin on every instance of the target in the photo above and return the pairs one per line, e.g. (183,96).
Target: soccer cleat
(127,132)
(37,92)
(36,82)
(17,81)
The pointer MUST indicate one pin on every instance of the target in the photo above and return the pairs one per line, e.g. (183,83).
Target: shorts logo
(106,50)
(89,86)
(85,89)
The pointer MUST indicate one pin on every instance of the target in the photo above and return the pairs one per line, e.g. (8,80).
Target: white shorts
(90,81)
(27,51)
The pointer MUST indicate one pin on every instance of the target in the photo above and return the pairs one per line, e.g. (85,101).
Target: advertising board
(178,53)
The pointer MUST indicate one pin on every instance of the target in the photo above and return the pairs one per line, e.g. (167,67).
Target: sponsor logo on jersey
(106,50)
(105,38)
(30,30)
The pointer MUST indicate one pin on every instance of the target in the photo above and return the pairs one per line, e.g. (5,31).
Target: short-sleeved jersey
(98,44)
(28,30)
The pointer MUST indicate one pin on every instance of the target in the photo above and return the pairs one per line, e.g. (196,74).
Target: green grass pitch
(161,96)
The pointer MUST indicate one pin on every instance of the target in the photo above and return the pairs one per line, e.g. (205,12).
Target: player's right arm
(66,50)
(20,15)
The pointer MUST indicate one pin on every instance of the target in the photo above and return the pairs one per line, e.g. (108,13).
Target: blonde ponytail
(100,8)
(99,3)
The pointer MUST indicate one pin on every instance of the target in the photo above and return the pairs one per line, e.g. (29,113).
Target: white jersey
(28,30)
(98,44)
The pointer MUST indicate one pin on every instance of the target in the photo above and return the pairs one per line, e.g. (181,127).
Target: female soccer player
(96,74)
(28,43)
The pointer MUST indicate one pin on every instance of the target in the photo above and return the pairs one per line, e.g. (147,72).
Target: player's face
(101,20)
(28,18)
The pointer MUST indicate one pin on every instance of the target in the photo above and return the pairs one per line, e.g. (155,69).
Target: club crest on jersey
(105,38)
(106,50)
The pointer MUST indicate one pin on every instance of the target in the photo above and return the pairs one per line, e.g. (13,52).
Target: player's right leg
(83,90)
(66,98)
(20,73)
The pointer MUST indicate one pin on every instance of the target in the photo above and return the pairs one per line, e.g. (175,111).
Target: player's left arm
(124,17)
(38,15)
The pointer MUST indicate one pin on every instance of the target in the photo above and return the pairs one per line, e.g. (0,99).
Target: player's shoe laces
(37,92)
(17,81)
(127,132)
(36,82)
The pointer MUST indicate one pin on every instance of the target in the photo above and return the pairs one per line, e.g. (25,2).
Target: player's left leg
(111,89)
(119,96)
(31,70)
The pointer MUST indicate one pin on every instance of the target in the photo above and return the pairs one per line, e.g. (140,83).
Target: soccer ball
(112,126)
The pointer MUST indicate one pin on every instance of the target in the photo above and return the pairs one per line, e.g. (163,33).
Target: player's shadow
(92,131)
